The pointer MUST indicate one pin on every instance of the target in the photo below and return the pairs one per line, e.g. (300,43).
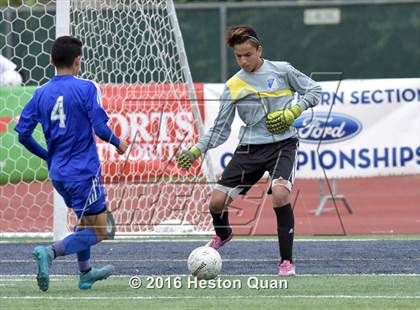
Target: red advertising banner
(157,120)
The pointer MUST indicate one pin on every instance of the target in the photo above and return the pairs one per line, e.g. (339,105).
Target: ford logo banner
(328,127)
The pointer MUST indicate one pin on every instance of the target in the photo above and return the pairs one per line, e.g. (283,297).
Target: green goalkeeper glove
(187,157)
(279,121)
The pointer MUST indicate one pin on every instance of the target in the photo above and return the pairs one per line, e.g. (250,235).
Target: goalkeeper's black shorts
(251,161)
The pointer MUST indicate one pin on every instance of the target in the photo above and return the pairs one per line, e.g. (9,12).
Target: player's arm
(105,133)
(215,136)
(26,126)
(310,91)
(99,118)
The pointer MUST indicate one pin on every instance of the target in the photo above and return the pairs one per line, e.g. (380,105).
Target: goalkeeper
(262,93)
(70,112)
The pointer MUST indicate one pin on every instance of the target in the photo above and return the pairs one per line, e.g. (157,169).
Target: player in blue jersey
(70,112)
(262,93)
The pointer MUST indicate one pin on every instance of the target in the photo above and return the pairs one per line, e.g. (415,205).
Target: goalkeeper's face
(248,56)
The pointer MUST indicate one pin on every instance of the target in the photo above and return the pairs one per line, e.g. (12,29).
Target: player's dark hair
(240,34)
(65,50)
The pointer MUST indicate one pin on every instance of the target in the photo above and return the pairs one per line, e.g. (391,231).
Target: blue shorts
(84,197)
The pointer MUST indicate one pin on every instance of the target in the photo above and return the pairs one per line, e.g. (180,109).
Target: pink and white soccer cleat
(216,242)
(286,269)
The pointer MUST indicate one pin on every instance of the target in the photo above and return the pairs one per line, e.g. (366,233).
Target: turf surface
(302,292)
(338,273)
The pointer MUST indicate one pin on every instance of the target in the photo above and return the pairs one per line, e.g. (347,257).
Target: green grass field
(302,292)
(373,291)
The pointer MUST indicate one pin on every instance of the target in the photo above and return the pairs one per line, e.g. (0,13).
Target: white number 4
(57,113)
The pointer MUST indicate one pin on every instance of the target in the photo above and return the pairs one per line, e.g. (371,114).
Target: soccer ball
(205,263)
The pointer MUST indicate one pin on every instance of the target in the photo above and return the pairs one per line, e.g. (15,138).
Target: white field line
(23,278)
(186,240)
(279,296)
(233,260)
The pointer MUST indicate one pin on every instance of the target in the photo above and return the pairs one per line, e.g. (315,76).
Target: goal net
(134,50)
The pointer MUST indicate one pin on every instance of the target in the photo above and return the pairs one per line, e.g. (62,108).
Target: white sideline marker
(280,296)
(61,277)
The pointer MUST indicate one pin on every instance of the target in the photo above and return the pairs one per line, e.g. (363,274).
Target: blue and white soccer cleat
(43,257)
(95,274)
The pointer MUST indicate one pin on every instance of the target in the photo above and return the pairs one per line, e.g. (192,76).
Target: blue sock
(79,241)
(83,260)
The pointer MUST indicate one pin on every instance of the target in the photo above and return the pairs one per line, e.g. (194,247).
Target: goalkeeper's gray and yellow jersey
(255,94)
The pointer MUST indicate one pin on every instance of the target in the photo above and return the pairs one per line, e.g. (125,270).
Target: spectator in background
(8,74)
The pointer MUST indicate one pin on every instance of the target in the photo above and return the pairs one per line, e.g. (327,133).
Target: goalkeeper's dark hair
(240,34)
(65,50)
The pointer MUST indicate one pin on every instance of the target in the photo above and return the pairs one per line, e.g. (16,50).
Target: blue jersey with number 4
(67,108)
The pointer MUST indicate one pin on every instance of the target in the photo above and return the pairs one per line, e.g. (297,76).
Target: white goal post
(134,50)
